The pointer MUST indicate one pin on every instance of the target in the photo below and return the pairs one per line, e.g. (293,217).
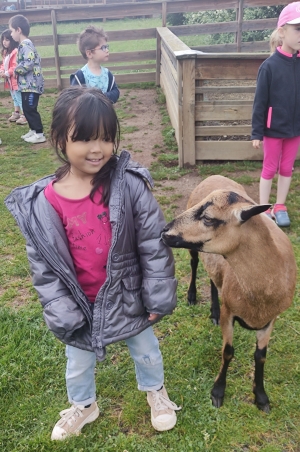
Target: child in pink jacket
(9,62)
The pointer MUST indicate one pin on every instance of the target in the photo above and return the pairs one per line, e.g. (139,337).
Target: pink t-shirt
(88,231)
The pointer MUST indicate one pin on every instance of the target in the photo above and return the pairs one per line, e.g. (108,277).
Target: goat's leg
(192,292)
(263,336)
(215,305)
(218,390)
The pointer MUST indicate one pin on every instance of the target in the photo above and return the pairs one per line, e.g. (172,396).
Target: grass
(32,363)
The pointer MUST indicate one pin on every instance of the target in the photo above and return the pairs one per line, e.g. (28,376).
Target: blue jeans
(17,98)
(80,372)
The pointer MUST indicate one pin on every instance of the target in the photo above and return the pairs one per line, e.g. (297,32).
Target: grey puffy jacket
(140,268)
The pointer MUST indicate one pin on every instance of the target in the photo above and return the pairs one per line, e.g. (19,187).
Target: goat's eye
(207,220)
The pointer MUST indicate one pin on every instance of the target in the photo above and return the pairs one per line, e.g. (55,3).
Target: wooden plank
(188,112)
(240,12)
(227,68)
(171,41)
(225,89)
(114,69)
(179,134)
(171,100)
(120,35)
(158,58)
(164,14)
(56,51)
(227,150)
(166,62)
(138,77)
(118,57)
(247,47)
(207,111)
(211,131)
(199,5)
(204,29)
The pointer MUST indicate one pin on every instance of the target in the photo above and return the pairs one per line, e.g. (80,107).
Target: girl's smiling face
(87,157)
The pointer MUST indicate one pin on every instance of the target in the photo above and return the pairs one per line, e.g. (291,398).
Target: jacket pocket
(63,317)
(132,296)
(278,119)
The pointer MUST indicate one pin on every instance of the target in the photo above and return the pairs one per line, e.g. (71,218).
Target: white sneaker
(163,416)
(35,138)
(73,419)
(28,134)
(0,141)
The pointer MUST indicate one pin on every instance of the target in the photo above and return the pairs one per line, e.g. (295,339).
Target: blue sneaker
(281,217)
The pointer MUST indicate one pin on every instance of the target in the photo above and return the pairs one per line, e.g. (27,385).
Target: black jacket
(112,93)
(276,108)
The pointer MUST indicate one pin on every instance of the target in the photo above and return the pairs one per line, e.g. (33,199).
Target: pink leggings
(279,155)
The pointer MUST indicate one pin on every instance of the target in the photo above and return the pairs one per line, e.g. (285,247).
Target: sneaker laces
(69,415)
(161,402)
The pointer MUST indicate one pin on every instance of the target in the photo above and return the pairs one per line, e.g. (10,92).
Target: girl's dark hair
(13,44)
(86,113)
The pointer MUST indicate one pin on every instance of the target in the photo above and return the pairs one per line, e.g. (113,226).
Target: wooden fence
(209,99)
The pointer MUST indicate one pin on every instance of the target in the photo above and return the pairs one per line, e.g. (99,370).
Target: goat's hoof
(217,401)
(192,300)
(265,408)
(215,321)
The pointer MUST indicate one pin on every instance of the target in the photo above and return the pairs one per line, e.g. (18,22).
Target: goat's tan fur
(251,263)
(257,279)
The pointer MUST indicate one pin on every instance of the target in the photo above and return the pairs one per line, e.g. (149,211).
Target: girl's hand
(153,317)
(256,144)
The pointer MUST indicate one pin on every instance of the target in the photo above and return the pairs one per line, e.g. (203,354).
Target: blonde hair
(275,41)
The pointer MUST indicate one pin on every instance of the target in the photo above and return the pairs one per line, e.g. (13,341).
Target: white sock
(40,134)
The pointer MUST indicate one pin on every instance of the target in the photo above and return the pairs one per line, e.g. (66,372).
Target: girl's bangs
(92,120)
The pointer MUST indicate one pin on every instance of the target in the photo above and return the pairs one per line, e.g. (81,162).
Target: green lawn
(32,362)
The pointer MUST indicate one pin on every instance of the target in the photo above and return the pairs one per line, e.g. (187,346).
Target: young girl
(9,55)
(97,261)
(276,111)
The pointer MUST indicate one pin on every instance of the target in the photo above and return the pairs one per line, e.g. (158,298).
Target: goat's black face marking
(198,214)
(234,198)
(176,241)
(208,221)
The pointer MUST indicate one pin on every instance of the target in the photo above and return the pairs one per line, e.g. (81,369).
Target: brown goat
(248,259)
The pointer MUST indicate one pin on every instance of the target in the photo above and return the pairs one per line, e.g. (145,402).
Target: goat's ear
(251,211)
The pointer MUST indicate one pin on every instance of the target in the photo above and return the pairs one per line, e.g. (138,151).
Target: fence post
(56,52)
(240,14)
(180,125)
(158,58)
(164,13)
(187,111)
(104,3)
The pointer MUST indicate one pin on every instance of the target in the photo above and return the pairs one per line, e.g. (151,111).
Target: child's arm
(260,106)
(26,59)
(156,259)
(12,64)
(113,92)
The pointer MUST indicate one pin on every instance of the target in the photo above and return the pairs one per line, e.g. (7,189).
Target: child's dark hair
(89,39)
(12,44)
(85,113)
(20,21)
